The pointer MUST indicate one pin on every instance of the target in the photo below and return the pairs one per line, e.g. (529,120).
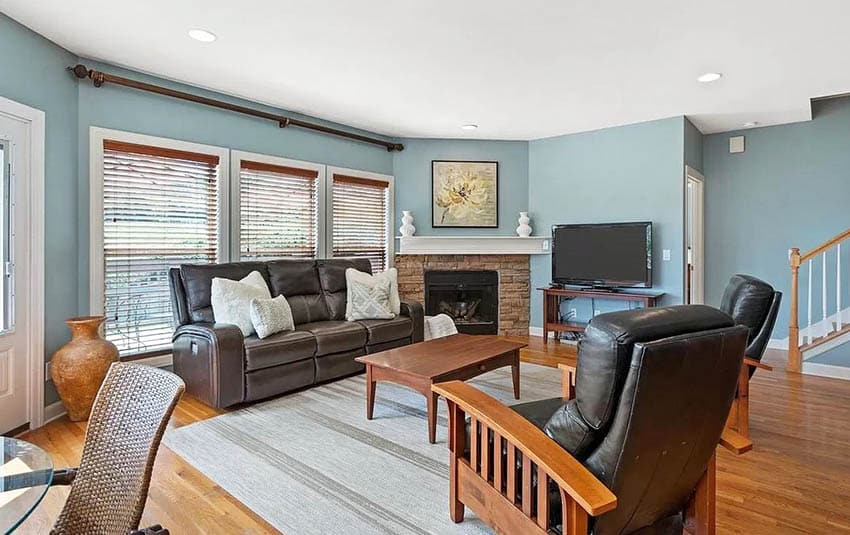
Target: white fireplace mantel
(424,245)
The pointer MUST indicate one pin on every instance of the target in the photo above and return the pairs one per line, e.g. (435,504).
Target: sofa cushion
(279,348)
(332,279)
(380,331)
(335,336)
(197,282)
(298,281)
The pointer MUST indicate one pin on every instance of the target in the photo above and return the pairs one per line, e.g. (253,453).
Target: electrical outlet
(597,312)
(47,370)
(573,313)
(665,255)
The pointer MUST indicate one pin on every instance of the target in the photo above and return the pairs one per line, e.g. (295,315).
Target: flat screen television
(610,255)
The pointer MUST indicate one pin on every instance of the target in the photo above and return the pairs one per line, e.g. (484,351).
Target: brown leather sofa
(223,368)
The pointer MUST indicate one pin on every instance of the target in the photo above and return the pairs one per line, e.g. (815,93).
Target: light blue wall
(628,173)
(412,169)
(693,146)
(790,188)
(33,74)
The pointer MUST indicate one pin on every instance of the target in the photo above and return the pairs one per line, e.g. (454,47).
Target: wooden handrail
(796,259)
(824,246)
(569,474)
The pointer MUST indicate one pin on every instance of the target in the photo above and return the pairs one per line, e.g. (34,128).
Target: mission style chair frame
(492,496)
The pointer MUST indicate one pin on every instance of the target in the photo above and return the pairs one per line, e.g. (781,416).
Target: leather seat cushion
(279,348)
(381,331)
(335,336)
(538,412)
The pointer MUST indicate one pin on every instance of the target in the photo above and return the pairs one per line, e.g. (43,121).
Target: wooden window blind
(361,219)
(279,211)
(160,209)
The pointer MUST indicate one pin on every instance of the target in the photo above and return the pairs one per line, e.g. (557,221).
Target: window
(279,211)
(361,218)
(160,209)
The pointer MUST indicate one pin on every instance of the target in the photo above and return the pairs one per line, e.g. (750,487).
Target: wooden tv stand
(552,298)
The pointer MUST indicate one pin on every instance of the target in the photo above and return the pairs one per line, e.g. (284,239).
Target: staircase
(830,329)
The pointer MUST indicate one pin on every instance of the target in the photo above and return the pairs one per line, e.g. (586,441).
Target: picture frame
(464,194)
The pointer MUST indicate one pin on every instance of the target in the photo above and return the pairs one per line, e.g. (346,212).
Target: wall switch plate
(545,245)
(573,313)
(665,255)
(736,144)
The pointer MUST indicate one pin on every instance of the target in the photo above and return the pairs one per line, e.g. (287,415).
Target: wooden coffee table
(456,357)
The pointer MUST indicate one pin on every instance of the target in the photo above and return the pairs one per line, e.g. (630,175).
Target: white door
(14,272)
(694,237)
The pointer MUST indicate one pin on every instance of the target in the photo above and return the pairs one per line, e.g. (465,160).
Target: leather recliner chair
(223,368)
(754,304)
(652,393)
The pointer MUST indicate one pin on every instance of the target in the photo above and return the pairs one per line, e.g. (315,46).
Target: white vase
(524,229)
(407,229)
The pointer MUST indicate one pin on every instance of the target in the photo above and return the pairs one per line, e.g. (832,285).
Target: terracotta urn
(78,367)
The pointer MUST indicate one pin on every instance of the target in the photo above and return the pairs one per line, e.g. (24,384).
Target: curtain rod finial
(79,70)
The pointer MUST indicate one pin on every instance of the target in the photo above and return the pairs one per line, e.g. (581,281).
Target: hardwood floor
(796,480)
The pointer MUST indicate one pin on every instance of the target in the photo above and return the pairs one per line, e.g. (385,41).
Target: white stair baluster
(809,305)
(838,286)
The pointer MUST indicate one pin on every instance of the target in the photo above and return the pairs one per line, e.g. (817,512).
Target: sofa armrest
(210,360)
(416,313)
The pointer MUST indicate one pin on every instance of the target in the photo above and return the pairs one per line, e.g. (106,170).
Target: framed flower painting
(464,194)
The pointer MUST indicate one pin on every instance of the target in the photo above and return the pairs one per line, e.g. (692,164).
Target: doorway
(21,266)
(694,236)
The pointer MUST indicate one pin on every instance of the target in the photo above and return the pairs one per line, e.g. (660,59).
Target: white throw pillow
(231,300)
(370,280)
(271,316)
(369,298)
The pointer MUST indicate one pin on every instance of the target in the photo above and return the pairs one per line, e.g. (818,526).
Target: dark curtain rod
(99,78)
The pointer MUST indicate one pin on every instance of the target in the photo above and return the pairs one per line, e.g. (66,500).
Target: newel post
(795,360)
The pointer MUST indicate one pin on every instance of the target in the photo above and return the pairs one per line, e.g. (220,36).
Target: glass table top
(26,472)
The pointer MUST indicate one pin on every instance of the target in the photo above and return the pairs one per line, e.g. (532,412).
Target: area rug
(311,463)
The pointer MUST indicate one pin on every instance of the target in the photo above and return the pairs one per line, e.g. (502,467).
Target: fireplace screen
(470,298)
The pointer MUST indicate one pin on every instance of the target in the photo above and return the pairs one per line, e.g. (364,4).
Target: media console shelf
(552,298)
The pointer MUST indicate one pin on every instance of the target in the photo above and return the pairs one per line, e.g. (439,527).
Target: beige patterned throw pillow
(231,300)
(270,316)
(365,278)
(368,298)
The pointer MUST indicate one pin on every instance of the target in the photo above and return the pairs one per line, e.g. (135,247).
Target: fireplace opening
(470,298)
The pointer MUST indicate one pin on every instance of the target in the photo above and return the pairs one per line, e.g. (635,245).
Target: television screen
(610,254)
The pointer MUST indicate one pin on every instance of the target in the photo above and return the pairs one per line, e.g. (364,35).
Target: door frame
(35,121)
(692,174)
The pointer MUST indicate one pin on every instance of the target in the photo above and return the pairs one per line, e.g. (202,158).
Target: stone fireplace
(511,271)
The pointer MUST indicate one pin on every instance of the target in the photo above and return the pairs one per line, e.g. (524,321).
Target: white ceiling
(521,70)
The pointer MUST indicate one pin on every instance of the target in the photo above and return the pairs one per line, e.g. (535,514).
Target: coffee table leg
(432,416)
(370,393)
(515,375)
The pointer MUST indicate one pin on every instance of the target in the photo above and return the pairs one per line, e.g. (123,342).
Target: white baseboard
(537,331)
(778,343)
(53,411)
(826,370)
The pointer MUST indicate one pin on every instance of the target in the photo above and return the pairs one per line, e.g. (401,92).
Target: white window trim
(97,136)
(35,354)
(236,158)
(390,208)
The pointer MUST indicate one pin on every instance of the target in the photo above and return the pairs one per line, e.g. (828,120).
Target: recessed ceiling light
(750,124)
(709,77)
(469,126)
(203,36)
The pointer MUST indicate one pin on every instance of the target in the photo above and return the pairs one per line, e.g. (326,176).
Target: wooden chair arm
(735,442)
(568,382)
(756,364)
(569,474)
